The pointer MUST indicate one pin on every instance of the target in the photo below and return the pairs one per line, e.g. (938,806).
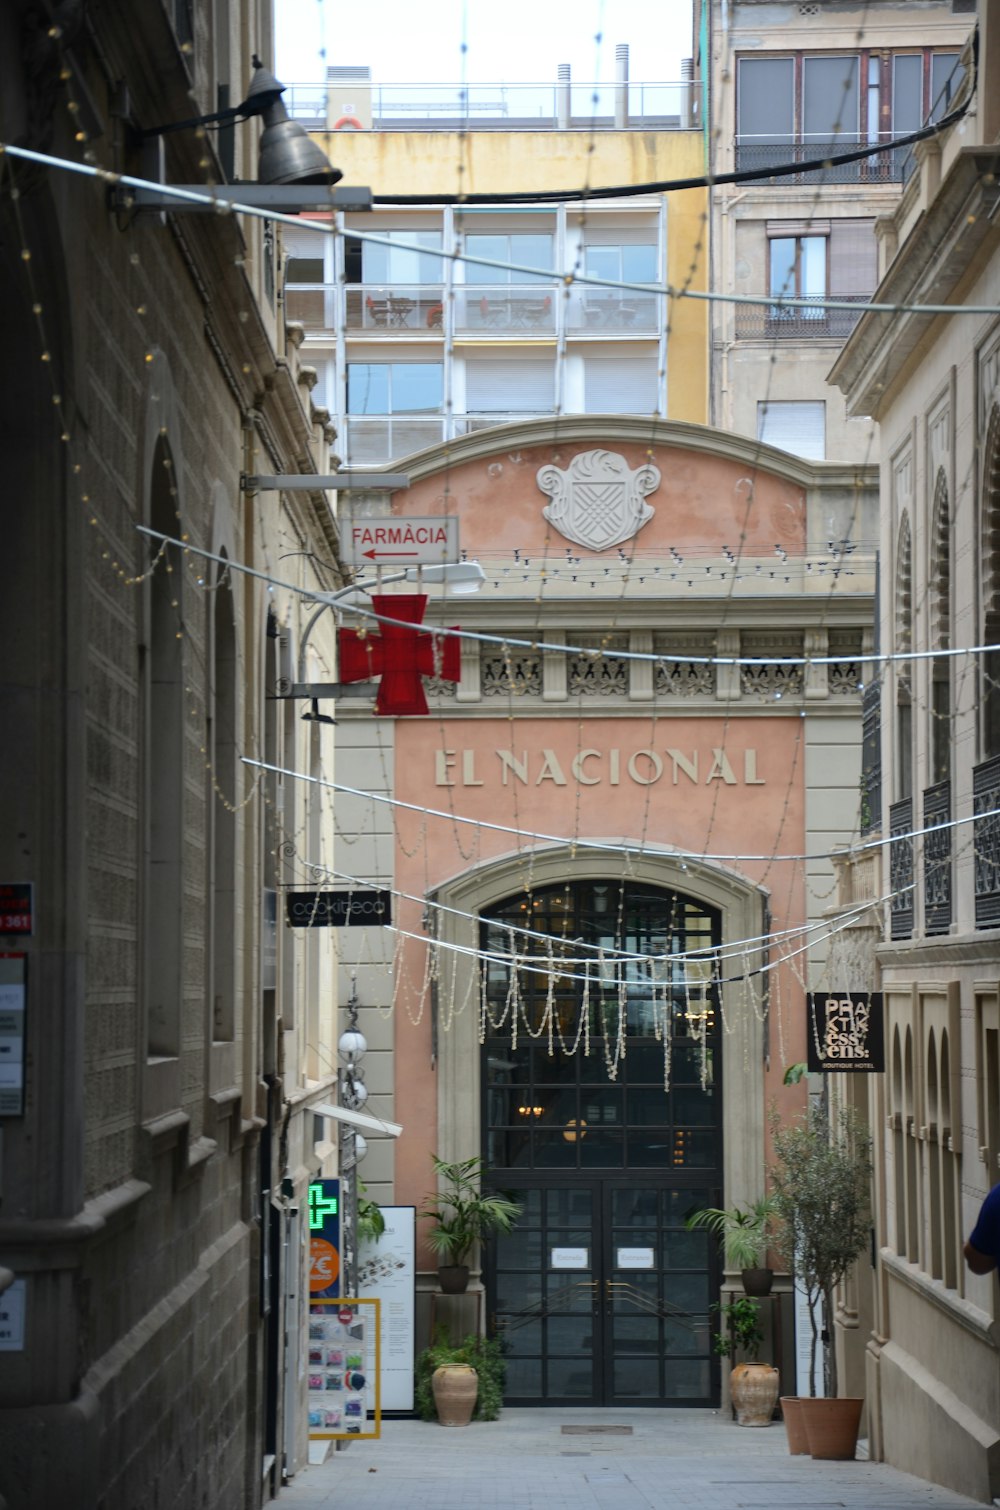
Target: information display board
(343,1386)
(387,1270)
(13,999)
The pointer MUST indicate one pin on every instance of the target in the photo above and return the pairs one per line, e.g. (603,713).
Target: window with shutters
(621,385)
(810,265)
(496,387)
(805,107)
(795,426)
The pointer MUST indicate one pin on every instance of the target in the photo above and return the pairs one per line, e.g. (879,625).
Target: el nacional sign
(592,766)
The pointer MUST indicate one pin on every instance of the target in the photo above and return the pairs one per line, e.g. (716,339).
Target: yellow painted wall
(488,162)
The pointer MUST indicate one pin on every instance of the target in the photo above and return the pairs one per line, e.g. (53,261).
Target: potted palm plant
(822,1185)
(746,1235)
(463,1215)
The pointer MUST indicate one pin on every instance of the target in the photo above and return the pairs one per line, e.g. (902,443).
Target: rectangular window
(493,386)
(411,261)
(795,426)
(798,271)
(946,76)
(765,103)
(627,262)
(394,387)
(620,385)
(817,104)
(304,270)
(523,250)
(829,102)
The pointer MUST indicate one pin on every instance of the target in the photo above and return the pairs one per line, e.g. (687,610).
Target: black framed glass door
(602,1296)
(601,1097)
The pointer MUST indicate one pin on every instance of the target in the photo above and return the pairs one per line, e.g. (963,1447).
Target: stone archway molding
(741,905)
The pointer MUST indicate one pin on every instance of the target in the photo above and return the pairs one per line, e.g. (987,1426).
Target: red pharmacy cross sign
(399,654)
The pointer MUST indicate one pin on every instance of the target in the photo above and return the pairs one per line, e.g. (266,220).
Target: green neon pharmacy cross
(321,1206)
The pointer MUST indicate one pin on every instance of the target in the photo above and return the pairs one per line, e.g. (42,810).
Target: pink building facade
(608,844)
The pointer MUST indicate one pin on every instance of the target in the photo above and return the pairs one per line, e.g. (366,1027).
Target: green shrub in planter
(484,1354)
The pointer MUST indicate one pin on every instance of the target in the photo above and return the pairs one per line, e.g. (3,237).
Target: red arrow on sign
(372,555)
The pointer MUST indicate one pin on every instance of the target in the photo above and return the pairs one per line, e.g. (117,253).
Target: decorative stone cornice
(570,429)
(928,269)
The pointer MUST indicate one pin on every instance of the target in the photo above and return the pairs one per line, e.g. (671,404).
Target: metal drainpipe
(621,86)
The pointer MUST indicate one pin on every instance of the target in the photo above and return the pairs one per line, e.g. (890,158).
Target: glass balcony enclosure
(426,325)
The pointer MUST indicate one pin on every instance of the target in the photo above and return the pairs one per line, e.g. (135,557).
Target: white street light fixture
(353,1044)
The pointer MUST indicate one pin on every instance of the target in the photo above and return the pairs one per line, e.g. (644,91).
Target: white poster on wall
(803,1345)
(387,1272)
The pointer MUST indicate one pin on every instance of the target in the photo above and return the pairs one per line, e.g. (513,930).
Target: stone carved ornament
(597,501)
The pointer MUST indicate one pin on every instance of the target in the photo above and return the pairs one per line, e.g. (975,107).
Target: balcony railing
(776,322)
(593,309)
(371,440)
(986,839)
(482,308)
(496,107)
(473,309)
(901,869)
(937,858)
(764,153)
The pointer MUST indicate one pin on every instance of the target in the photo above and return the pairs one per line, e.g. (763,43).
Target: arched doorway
(602,1114)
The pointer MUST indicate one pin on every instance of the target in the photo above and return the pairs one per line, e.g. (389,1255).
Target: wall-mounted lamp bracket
(282,199)
(343,482)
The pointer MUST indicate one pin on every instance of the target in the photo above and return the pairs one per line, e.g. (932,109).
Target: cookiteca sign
(400,542)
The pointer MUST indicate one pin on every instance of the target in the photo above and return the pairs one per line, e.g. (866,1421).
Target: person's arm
(979,1263)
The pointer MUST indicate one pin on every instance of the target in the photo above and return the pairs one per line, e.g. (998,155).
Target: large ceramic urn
(455,1387)
(754,1391)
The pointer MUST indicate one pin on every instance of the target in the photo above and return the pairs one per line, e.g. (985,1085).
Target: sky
(513,41)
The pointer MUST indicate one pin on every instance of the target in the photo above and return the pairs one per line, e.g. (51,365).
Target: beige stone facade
(151,1183)
(792,83)
(933,1373)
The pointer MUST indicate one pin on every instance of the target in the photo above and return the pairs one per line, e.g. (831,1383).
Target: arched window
(162,682)
(940,635)
(903,644)
(990,590)
(602,1103)
(223,758)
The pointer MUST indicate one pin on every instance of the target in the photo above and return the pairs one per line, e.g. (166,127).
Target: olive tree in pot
(822,1186)
(746,1235)
(463,1215)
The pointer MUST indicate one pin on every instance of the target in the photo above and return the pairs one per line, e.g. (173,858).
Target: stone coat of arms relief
(598,501)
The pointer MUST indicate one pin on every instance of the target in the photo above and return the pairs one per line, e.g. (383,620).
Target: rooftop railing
(365,105)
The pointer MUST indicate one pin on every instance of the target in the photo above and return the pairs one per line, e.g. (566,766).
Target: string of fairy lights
(632,568)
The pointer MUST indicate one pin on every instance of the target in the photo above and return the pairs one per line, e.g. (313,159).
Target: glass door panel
(602,1295)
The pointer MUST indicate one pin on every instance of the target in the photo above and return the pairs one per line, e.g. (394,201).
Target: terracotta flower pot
(832,1427)
(754,1391)
(455,1387)
(798,1443)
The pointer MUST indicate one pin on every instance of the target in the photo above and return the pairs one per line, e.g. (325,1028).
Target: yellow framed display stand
(342,1393)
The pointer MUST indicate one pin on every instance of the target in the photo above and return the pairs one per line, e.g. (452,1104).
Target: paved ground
(673,1460)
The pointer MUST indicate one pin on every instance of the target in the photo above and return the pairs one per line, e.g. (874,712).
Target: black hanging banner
(845,1033)
(338,909)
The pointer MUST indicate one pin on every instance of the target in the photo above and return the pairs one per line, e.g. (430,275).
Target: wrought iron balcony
(937,858)
(986,839)
(777,322)
(759,152)
(901,874)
